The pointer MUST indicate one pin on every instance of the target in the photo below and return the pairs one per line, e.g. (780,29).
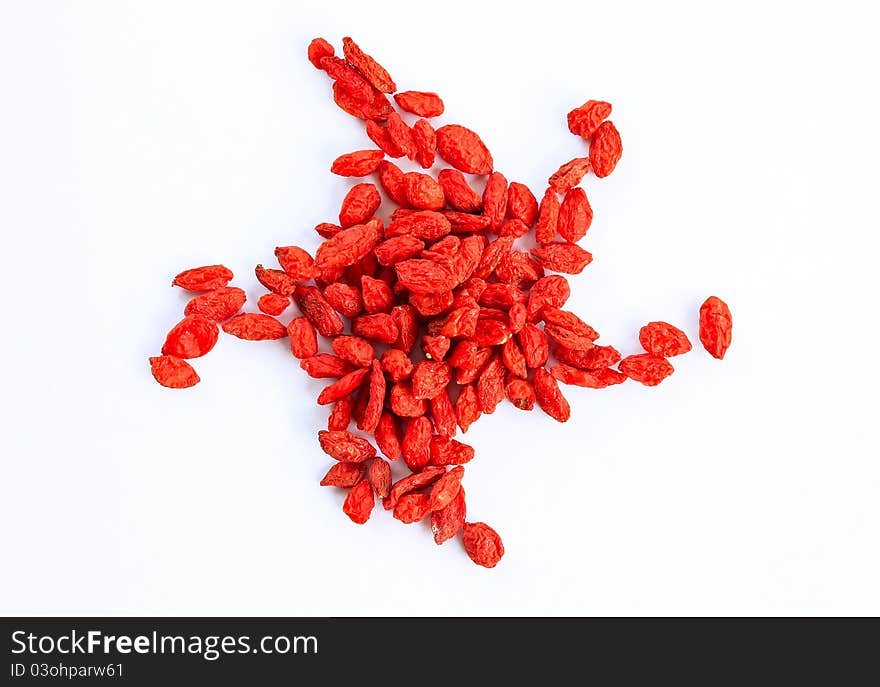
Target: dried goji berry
(552,291)
(569,174)
(403,403)
(375,400)
(482,544)
(379,135)
(519,269)
(567,258)
(661,338)
(397,364)
(343,475)
(388,436)
(327,230)
(521,203)
(417,443)
(534,345)
(463,149)
(605,149)
(379,474)
(401,135)
(404,318)
(429,378)
(319,312)
(344,299)
(492,256)
(173,372)
(325,366)
(218,305)
(584,120)
(445,489)
(379,327)
(359,352)
(594,358)
(575,215)
(716,326)
(495,199)
(647,368)
(357,164)
(340,415)
(467,407)
(424,276)
(346,447)
(392,181)
(592,379)
(347,79)
(342,387)
(459,194)
(420,103)
(377,295)
(443,414)
(425,139)
(277,281)
(548,217)
(359,204)
(412,507)
(513,227)
(447,522)
(466,375)
(359,503)
(273,303)
(318,49)
(491,332)
(205,278)
(446,451)
(424,224)
(490,385)
(348,246)
(372,71)
(517,317)
(376,106)
(549,396)
(296,261)
(193,337)
(303,338)
(465,223)
(513,358)
(568,329)
(520,392)
(423,192)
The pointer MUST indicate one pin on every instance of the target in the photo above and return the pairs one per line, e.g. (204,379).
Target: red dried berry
(459,194)
(495,199)
(605,150)
(567,258)
(490,385)
(359,503)
(412,507)
(575,215)
(173,372)
(569,174)
(192,337)
(359,205)
(344,475)
(417,443)
(342,387)
(340,414)
(584,120)
(661,338)
(424,276)
(401,135)
(273,303)
(521,393)
(397,364)
(467,407)
(205,278)
(521,203)
(591,379)
(388,436)
(218,305)
(646,368)
(594,358)
(549,396)
(319,312)
(348,246)
(534,345)
(425,139)
(379,475)
(482,544)
(448,521)
(344,299)
(403,402)
(419,103)
(379,327)
(463,149)
(716,326)
(392,181)
(443,414)
(446,451)
(429,378)
(548,217)
(296,261)
(446,489)
(357,164)
(423,192)
(325,366)
(318,49)
(345,447)
(371,70)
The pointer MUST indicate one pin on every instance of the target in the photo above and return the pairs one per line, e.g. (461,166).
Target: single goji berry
(379,327)
(379,135)
(318,49)
(327,230)
(548,217)
(172,372)
(448,521)
(424,276)
(467,407)
(379,474)
(584,120)
(348,246)
(447,451)
(296,261)
(421,103)
(569,174)
(521,203)
(492,256)
(567,258)
(375,106)
(549,396)
(443,414)
(392,181)
(445,489)
(340,415)
(423,224)
(519,269)
(404,318)
(552,290)
(465,223)
(345,447)
(490,385)
(218,305)
(403,402)
(303,338)
(417,442)
(513,358)
(397,364)
(592,379)
(325,366)
(319,312)
(359,205)
(429,378)
(342,387)
(661,338)
(534,345)
(375,399)
(495,199)
(482,544)
(277,281)
(357,164)
(647,368)
(388,436)
(463,149)
(205,278)
(398,248)
(423,192)
(716,326)
(273,303)
(344,299)
(458,193)
(605,149)
(575,215)
(344,475)
(594,358)
(347,78)
(359,503)
(412,507)
(359,352)
(425,139)
(193,336)
(520,392)
(401,135)
(372,71)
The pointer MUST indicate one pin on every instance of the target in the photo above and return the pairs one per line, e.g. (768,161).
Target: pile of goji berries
(438,315)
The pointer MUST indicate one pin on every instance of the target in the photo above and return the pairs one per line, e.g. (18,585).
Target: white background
(138,139)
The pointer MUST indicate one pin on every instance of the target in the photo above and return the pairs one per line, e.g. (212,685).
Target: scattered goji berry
(520,392)
(403,402)
(359,205)
(594,358)
(371,70)
(342,387)
(495,199)
(592,379)
(344,475)
(357,164)
(716,326)
(425,139)
(423,192)
(420,103)
(345,447)
(412,507)
(340,414)
(205,278)
(584,120)
(218,305)
(448,521)
(605,149)
(463,149)
(344,299)
(325,366)
(661,338)
(417,442)
(521,203)
(567,258)
(447,451)
(575,215)
(318,49)
(569,174)
(458,193)
(319,312)
(359,503)
(379,474)
(548,218)
(482,544)
(549,396)
(445,489)
(379,327)
(173,372)
(192,337)
(647,368)
(273,303)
